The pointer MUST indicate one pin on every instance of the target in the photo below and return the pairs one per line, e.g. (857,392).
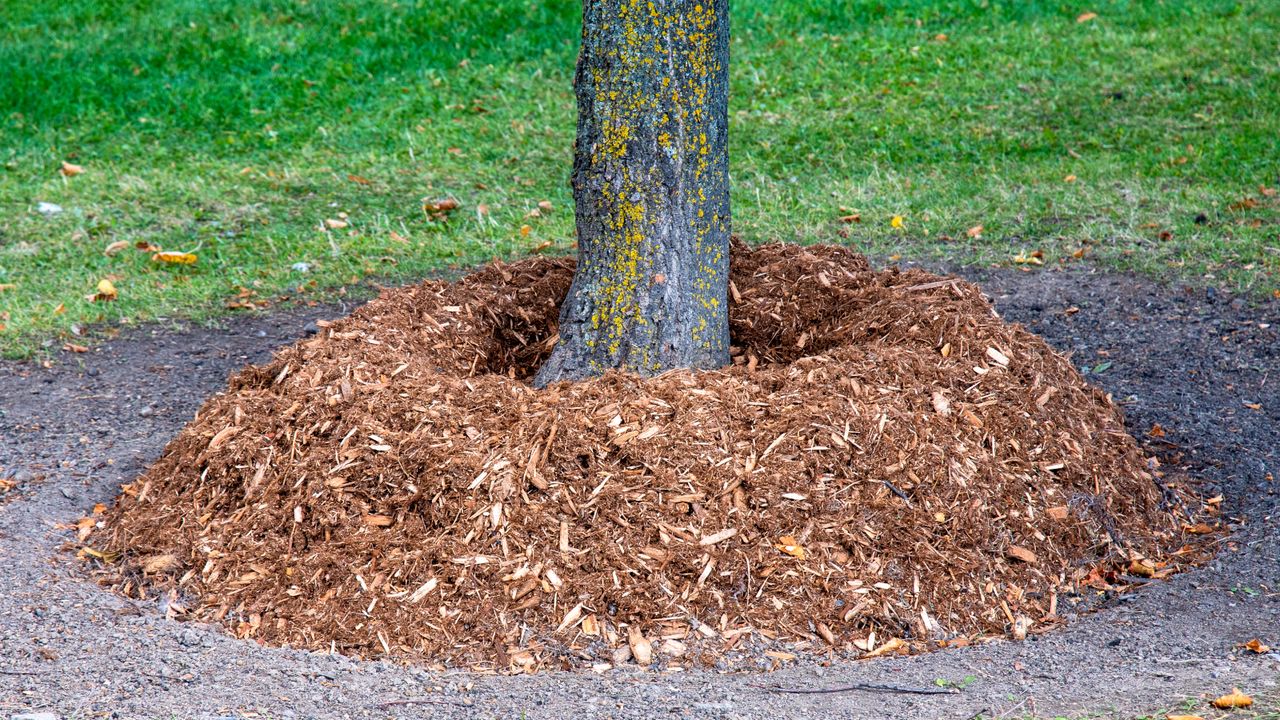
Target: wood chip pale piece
(717,537)
(941,404)
(641,648)
(891,646)
(423,590)
(571,617)
(1017,552)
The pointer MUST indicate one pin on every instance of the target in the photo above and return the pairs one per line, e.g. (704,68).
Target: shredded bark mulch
(887,466)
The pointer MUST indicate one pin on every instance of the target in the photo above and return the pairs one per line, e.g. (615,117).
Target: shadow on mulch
(888,466)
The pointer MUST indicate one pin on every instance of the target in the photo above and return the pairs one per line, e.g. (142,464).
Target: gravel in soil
(1195,365)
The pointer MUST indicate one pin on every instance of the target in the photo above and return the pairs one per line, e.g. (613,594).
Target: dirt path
(1191,362)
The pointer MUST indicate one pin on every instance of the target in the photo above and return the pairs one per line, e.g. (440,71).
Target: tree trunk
(651,192)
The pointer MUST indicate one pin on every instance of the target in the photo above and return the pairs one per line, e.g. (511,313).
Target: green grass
(231,127)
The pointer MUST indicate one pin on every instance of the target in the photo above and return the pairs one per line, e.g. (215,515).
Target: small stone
(36,716)
(189,638)
(147,411)
(311,328)
(621,656)
(22,475)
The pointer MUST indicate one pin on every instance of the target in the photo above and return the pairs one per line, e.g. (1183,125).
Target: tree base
(886,464)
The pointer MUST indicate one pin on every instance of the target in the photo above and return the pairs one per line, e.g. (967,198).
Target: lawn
(289,146)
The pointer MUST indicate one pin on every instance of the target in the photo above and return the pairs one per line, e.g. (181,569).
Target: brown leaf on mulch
(394,486)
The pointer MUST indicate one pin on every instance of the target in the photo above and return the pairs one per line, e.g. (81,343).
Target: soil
(1199,365)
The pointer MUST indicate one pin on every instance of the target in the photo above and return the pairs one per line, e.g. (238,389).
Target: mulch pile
(887,466)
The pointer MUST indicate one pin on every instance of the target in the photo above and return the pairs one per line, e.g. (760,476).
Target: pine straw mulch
(887,466)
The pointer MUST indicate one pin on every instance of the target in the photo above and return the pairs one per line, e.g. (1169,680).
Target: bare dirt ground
(1202,366)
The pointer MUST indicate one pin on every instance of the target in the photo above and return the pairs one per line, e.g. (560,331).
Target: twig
(896,491)
(867,687)
(932,285)
(1006,713)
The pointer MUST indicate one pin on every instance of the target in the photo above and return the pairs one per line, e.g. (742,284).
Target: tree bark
(651,192)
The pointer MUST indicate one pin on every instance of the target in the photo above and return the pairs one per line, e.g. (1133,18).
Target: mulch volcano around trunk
(886,466)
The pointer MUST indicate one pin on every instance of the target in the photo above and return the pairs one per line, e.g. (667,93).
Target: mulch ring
(886,467)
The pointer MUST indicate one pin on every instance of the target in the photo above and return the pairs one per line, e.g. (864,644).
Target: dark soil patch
(885,459)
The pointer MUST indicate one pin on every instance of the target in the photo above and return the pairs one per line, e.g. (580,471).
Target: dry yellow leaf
(525,230)
(1235,699)
(1086,17)
(1183,717)
(335,224)
(174,258)
(70,170)
(1256,646)
(115,247)
(106,291)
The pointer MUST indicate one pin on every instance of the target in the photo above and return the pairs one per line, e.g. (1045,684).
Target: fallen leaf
(1086,17)
(788,545)
(174,258)
(72,347)
(1235,699)
(849,219)
(974,232)
(1142,568)
(335,224)
(1183,717)
(1156,431)
(1252,405)
(896,221)
(70,170)
(359,180)
(1256,646)
(7,286)
(1024,259)
(525,230)
(106,291)
(1069,179)
(545,206)
(542,246)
